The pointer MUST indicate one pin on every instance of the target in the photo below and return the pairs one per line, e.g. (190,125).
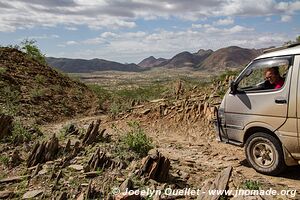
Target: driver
(272,76)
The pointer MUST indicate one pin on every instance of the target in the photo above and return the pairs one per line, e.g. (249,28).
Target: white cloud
(224,22)
(268,19)
(197,25)
(115,14)
(109,35)
(71,28)
(7,28)
(288,7)
(71,42)
(286,18)
(44,36)
(212,29)
(238,29)
(94,41)
(248,7)
(134,46)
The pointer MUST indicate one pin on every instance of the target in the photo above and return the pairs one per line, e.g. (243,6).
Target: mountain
(183,59)
(229,57)
(86,66)
(31,90)
(151,62)
(187,59)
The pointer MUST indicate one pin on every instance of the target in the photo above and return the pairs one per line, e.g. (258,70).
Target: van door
(256,100)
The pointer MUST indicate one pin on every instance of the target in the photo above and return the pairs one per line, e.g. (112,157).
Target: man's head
(272,75)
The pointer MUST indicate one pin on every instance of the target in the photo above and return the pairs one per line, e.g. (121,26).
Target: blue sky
(130,30)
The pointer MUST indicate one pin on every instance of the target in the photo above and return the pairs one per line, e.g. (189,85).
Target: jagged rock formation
(219,184)
(93,134)
(189,106)
(100,160)
(43,152)
(155,166)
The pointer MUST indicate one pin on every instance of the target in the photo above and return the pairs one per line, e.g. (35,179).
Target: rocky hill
(86,66)
(186,59)
(183,59)
(151,62)
(229,57)
(32,90)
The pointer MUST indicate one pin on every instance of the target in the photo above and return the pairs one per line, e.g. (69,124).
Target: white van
(261,110)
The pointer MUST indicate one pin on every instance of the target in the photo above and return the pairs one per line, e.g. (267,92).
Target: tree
(298,39)
(30,48)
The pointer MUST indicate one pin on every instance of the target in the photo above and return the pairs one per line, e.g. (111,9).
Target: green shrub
(120,100)
(228,73)
(117,107)
(40,79)
(136,140)
(101,93)
(9,97)
(2,70)
(145,93)
(4,159)
(67,127)
(19,133)
(30,48)
(37,92)
(251,185)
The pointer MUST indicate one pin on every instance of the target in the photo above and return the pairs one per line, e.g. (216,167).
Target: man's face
(271,77)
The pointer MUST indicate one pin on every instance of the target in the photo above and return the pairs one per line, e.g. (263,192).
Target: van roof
(282,51)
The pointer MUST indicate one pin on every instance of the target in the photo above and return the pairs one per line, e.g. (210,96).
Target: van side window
(265,74)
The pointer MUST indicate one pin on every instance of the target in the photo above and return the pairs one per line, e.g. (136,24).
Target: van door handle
(280,101)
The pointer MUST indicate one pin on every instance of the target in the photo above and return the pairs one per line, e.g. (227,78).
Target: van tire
(264,153)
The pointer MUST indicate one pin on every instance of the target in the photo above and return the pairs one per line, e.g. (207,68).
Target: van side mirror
(233,87)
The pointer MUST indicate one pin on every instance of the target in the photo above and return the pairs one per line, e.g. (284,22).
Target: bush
(124,99)
(120,100)
(136,140)
(227,73)
(2,70)
(10,98)
(19,133)
(30,48)
(37,92)
(40,79)
(251,185)
(4,160)
(102,93)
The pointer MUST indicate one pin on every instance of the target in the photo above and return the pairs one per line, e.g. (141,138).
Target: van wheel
(264,153)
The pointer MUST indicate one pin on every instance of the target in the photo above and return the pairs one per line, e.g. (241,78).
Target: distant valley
(205,60)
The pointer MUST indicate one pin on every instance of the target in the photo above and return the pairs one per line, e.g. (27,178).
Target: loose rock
(32,194)
(76,167)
